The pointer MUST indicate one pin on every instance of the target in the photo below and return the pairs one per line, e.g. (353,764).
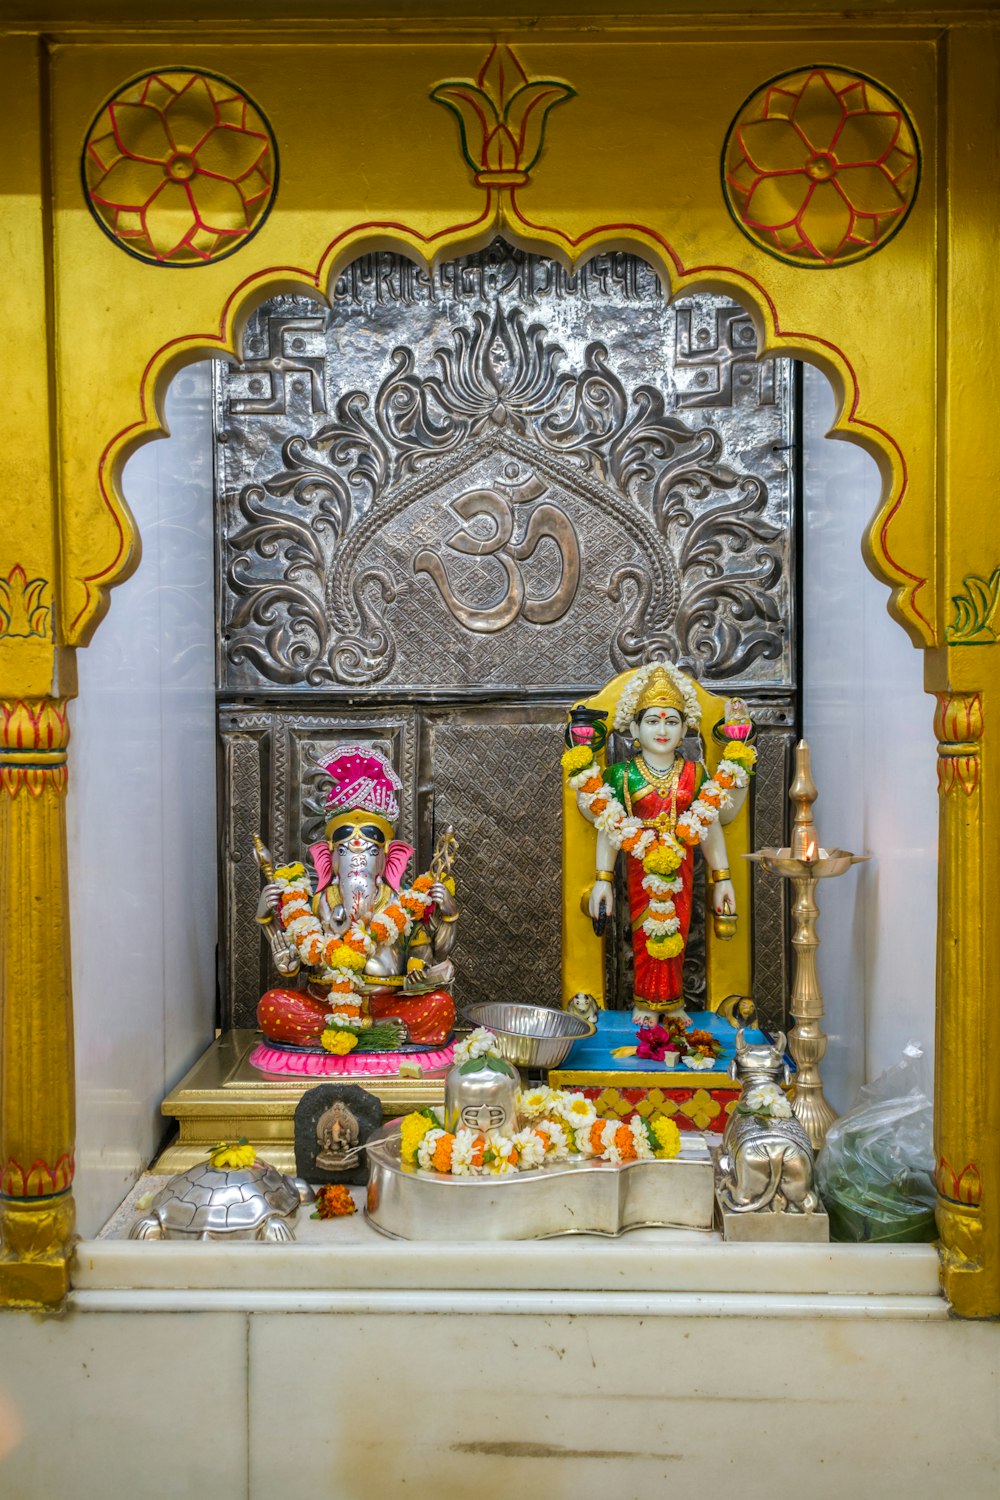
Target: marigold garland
(559,1124)
(341,960)
(660,852)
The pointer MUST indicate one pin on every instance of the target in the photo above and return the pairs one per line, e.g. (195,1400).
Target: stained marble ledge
(347,1262)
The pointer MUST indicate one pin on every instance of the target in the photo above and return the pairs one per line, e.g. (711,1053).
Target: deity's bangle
(719,875)
(452,918)
(607,875)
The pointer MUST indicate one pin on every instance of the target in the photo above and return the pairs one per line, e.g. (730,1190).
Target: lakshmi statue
(376,952)
(658,806)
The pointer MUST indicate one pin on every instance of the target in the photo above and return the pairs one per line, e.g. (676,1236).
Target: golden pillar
(36,1014)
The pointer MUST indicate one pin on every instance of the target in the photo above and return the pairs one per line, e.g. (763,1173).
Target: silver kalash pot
(481,1094)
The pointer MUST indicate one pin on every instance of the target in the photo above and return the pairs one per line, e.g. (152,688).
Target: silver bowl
(530,1036)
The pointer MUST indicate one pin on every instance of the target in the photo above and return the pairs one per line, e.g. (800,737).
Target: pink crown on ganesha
(363,778)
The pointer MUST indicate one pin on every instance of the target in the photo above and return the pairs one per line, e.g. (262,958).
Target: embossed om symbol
(547,522)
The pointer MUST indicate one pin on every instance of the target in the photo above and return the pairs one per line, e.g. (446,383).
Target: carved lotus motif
(821,167)
(180,168)
(502,116)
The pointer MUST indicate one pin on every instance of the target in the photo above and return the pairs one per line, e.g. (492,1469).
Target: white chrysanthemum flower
(476,1044)
(574,1110)
(532,1104)
(640,1136)
(530,1150)
(461,1152)
(303,923)
(609,821)
(656,926)
(582,1143)
(559,1139)
(609,1150)
(343,976)
(656,885)
(501,1149)
(662,909)
(425,1151)
(768,1098)
(699,1064)
(342,1022)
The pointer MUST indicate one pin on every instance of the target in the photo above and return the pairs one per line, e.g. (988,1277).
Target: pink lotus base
(273,1059)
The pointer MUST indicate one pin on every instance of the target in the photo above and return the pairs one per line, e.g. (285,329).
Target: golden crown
(661,691)
(358,817)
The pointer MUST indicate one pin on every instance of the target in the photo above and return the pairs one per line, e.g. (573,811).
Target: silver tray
(575,1197)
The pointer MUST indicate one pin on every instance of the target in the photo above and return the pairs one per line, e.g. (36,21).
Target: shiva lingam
(804,863)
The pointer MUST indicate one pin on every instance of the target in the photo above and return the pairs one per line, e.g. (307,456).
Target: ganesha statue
(656,806)
(374,949)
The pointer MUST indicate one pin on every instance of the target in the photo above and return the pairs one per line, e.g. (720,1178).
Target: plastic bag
(875,1173)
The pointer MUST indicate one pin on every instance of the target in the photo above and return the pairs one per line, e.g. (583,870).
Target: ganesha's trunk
(357,876)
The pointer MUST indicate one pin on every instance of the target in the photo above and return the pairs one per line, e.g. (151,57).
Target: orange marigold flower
(724,779)
(596,1132)
(593,785)
(687,834)
(381,931)
(712,798)
(334,1202)
(413,904)
(598,805)
(396,914)
(423,883)
(478,1148)
(441,1159)
(629,844)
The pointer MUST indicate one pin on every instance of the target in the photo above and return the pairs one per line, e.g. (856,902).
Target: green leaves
(974,611)
(488,1060)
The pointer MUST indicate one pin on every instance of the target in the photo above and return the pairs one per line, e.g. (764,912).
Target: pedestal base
(224,1097)
(622,1086)
(775,1229)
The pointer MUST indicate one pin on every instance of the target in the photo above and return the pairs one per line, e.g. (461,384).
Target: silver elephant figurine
(766,1161)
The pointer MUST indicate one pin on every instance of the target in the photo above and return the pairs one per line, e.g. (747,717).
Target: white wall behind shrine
(142,829)
(868,722)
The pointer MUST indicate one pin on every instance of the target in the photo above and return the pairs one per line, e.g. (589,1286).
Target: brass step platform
(223,1098)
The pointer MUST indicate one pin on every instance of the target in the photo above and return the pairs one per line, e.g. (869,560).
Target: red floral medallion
(821,167)
(180,168)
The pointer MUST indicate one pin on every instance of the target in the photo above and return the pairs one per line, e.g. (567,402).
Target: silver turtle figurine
(207,1203)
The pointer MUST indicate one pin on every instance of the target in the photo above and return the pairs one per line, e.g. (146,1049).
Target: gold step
(223,1098)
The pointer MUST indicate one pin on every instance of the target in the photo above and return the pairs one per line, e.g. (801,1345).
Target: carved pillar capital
(958,724)
(34,736)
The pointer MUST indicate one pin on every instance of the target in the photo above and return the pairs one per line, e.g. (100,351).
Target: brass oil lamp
(804,863)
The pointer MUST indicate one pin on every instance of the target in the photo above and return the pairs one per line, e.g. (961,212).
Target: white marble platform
(345,1264)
